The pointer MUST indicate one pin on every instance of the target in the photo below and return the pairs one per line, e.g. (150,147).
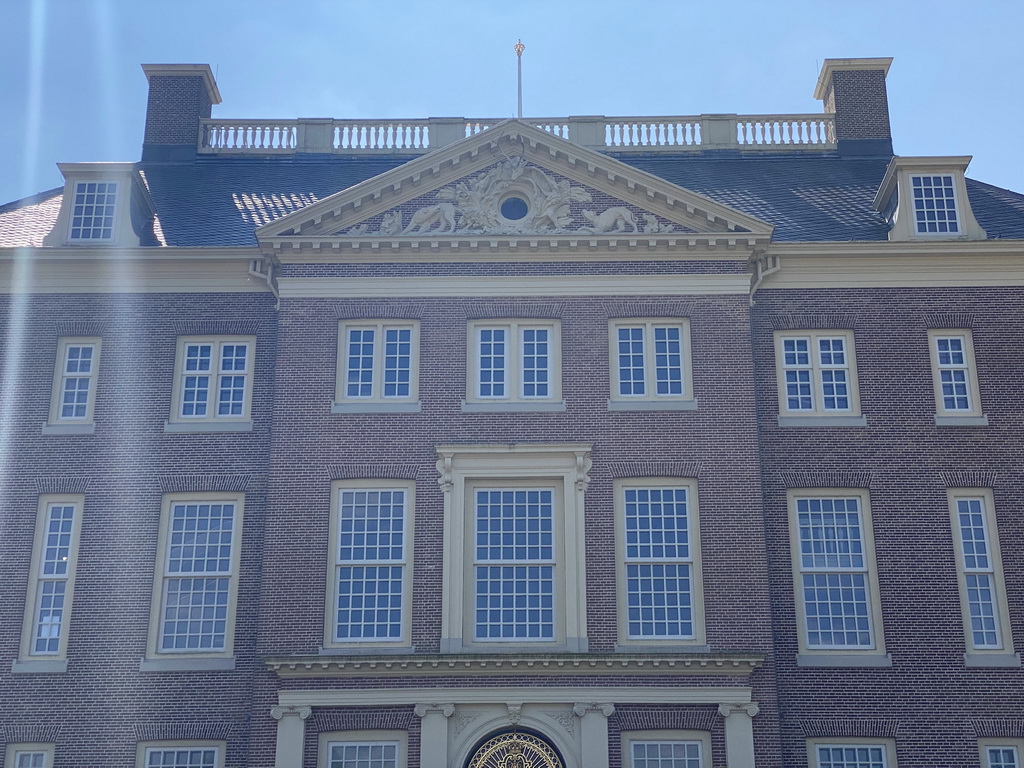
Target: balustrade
(620,134)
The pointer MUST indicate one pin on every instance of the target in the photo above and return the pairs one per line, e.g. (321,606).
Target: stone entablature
(433,664)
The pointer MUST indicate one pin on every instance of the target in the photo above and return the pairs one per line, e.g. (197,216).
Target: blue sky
(72,88)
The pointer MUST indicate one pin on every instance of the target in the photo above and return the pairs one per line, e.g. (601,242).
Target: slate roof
(220,201)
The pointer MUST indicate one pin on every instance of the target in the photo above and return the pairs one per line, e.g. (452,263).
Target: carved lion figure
(614,219)
(442,214)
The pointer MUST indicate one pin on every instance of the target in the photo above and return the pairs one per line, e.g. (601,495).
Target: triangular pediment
(513,180)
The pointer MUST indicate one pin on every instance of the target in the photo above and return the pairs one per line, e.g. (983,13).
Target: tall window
(954,374)
(514,564)
(514,558)
(53,573)
(371,563)
(836,585)
(214,379)
(377,363)
(92,216)
(74,382)
(650,363)
(198,578)
(981,581)
(935,210)
(660,561)
(516,362)
(817,374)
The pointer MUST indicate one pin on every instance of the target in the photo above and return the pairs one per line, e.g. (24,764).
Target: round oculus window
(514,208)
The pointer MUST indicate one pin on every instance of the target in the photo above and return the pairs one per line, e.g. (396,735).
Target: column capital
(301,712)
(583,708)
(422,710)
(749,710)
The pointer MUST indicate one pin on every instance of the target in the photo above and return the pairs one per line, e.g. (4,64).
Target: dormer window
(934,205)
(92,217)
(104,205)
(925,198)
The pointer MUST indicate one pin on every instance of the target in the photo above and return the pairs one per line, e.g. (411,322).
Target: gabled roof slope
(25,222)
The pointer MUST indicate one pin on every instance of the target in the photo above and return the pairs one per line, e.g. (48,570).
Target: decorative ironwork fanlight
(515,749)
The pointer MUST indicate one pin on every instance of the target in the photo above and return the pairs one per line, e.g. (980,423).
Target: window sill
(39,667)
(69,429)
(185,664)
(376,406)
(961,421)
(455,645)
(666,404)
(207,426)
(663,647)
(366,650)
(843,660)
(992,660)
(823,421)
(518,406)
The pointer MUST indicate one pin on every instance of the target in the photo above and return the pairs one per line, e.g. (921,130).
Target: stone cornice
(516,664)
(889,249)
(443,246)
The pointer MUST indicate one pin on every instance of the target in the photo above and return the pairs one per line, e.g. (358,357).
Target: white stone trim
(540,285)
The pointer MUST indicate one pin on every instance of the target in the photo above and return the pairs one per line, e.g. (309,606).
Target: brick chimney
(180,95)
(854,89)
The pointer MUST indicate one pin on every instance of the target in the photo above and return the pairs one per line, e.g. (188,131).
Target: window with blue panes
(214,379)
(956,384)
(650,360)
(935,211)
(516,361)
(659,560)
(370,565)
(1001,755)
(834,573)
(53,578)
(198,577)
(183,755)
(514,569)
(981,584)
(377,361)
(92,214)
(816,374)
(859,755)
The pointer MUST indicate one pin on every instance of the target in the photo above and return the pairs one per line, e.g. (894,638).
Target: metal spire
(519,48)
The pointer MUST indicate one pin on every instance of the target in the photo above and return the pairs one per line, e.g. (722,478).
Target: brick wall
(176,104)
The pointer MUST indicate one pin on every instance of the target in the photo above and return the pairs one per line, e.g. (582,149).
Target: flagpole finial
(519,48)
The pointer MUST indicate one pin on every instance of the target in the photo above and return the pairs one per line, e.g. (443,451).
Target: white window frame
(408,488)
(702,739)
(887,747)
(950,180)
(1014,744)
(819,411)
(377,400)
(559,466)
(179,421)
(15,750)
(61,375)
(693,560)
(74,210)
(945,415)
(834,653)
(163,575)
(650,399)
(145,748)
(514,397)
(38,579)
(326,740)
(980,500)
